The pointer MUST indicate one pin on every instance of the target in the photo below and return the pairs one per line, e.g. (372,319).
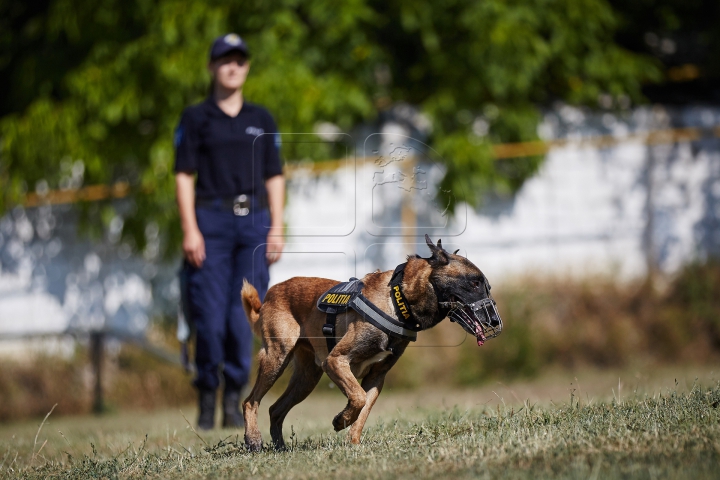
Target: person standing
(230,194)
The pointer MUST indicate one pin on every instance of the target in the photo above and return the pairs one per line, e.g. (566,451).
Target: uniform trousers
(234,249)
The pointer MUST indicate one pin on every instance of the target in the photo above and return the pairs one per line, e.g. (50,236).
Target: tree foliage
(92,90)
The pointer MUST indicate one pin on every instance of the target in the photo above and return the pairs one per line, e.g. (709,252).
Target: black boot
(206,419)
(231,411)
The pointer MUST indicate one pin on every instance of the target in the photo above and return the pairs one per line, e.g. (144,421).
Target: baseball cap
(226,44)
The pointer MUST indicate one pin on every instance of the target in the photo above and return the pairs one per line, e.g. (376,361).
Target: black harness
(349,295)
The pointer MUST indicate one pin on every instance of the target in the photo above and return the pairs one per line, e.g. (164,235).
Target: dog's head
(462,293)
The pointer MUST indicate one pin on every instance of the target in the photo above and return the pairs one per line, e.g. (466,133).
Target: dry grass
(132,379)
(658,424)
(31,388)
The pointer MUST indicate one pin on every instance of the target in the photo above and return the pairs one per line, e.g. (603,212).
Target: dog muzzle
(480,319)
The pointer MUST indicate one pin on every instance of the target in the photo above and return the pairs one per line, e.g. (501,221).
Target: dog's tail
(251,304)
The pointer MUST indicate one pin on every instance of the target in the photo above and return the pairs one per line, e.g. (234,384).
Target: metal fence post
(651,258)
(97,348)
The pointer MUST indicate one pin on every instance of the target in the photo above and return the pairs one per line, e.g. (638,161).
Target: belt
(240,205)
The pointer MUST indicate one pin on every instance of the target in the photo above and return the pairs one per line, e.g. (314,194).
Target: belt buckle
(241,205)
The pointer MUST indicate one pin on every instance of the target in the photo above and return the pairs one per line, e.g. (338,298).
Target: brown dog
(291,327)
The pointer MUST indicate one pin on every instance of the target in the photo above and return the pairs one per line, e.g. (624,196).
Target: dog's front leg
(337,367)
(372,384)
(373,387)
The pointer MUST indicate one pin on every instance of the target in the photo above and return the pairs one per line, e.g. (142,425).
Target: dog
(417,295)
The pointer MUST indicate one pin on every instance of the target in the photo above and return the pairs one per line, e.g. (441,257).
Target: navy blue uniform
(232,156)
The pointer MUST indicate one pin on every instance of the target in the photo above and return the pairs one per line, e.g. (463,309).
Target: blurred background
(569,148)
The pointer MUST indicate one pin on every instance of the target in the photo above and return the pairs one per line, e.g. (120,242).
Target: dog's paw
(253,445)
(340,421)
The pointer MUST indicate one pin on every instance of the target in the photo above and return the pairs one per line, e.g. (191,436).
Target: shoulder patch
(254,131)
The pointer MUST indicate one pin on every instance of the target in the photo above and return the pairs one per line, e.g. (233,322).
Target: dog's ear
(439,255)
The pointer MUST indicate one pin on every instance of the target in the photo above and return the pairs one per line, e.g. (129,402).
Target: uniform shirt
(231,155)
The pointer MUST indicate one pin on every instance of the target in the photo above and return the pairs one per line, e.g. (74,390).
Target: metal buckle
(241,205)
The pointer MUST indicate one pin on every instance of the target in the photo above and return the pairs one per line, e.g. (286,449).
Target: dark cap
(227,44)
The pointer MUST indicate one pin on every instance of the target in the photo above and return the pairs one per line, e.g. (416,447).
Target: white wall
(587,211)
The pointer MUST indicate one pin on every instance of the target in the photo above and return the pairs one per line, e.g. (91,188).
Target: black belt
(240,205)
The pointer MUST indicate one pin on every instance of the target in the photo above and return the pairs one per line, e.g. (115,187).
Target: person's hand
(194,248)
(275,245)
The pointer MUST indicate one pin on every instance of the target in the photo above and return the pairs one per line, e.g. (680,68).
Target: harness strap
(402,307)
(328,329)
(336,301)
(348,295)
(370,312)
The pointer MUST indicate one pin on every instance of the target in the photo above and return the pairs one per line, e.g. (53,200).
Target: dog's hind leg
(305,376)
(272,360)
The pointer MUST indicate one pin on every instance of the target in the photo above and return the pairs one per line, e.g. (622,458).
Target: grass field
(645,423)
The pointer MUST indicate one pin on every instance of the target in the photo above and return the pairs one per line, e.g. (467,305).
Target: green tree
(93,90)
